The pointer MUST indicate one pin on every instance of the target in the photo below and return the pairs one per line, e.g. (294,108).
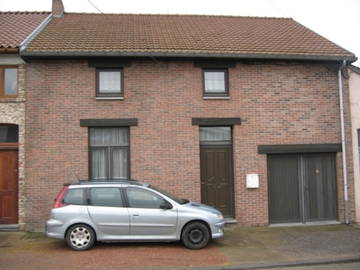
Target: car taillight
(59,199)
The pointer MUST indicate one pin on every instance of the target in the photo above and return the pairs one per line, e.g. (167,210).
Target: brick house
(237,112)
(15,29)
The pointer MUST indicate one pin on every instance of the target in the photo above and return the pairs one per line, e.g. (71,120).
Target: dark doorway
(8,174)
(302,187)
(216,162)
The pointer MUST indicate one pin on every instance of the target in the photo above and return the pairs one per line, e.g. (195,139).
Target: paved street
(240,247)
(342,266)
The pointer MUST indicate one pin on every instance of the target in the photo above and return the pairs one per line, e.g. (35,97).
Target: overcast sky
(337,20)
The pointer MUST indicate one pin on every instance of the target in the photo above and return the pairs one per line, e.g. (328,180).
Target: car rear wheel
(195,235)
(80,237)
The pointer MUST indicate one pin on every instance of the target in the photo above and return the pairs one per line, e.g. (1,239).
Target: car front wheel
(195,235)
(80,237)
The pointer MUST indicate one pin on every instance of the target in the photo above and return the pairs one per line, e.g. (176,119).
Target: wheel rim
(196,236)
(80,237)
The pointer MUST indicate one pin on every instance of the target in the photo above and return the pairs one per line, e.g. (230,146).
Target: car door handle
(136,215)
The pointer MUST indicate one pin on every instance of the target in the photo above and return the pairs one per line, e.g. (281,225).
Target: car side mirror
(166,205)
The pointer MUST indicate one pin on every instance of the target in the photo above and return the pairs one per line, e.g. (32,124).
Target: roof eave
(9,50)
(355,69)
(42,54)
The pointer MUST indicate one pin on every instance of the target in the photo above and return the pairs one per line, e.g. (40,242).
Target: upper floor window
(8,81)
(216,83)
(109,82)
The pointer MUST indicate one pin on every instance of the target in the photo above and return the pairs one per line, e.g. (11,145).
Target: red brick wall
(278,103)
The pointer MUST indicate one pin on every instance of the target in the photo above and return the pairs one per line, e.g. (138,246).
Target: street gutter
(265,265)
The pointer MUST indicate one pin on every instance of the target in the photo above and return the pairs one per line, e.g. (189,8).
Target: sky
(336,20)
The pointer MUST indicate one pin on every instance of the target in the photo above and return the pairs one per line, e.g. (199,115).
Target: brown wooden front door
(8,186)
(216,170)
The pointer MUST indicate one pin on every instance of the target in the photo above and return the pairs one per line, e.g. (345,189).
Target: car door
(108,212)
(147,219)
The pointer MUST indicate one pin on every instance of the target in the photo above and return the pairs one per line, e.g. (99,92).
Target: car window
(74,196)
(140,198)
(106,197)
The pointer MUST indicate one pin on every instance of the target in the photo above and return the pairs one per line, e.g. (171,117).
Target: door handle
(135,215)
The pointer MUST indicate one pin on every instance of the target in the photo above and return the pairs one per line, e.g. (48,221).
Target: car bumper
(218,230)
(54,229)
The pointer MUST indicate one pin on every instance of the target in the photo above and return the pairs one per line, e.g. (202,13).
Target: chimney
(57,8)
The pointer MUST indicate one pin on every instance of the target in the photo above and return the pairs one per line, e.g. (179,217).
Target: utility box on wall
(252,180)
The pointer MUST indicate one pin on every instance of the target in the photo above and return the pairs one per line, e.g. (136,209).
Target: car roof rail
(108,181)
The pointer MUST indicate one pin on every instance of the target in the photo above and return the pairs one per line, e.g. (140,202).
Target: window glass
(74,196)
(109,136)
(109,150)
(10,81)
(109,81)
(169,195)
(215,134)
(214,81)
(119,163)
(139,198)
(106,197)
(9,133)
(98,163)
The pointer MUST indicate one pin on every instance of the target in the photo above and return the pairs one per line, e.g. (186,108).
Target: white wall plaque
(252,180)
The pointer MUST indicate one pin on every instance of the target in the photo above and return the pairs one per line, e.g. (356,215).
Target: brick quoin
(279,103)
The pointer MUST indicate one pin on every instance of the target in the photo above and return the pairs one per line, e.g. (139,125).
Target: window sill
(11,99)
(216,98)
(109,98)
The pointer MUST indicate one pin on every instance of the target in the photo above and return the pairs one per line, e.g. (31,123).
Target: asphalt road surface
(342,266)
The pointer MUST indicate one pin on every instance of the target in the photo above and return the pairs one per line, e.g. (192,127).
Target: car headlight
(218,215)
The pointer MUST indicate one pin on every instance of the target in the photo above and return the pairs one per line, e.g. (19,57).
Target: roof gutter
(37,30)
(9,50)
(86,54)
(343,143)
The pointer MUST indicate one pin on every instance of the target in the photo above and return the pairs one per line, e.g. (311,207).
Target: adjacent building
(15,29)
(354,86)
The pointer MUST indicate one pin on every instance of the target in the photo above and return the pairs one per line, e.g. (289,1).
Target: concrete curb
(268,265)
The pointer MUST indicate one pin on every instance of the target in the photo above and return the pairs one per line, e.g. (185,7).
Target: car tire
(80,237)
(195,235)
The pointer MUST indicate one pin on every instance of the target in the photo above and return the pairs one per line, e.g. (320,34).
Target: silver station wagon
(109,211)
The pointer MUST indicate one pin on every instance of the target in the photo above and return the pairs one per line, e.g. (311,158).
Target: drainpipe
(343,143)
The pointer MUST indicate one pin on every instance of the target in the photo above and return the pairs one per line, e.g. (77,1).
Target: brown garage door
(302,187)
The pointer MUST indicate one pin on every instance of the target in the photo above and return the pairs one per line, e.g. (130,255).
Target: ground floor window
(109,152)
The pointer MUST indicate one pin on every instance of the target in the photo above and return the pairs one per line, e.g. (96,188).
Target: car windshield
(167,194)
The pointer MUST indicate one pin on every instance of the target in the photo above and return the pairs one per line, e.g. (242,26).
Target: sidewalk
(240,248)
(289,244)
